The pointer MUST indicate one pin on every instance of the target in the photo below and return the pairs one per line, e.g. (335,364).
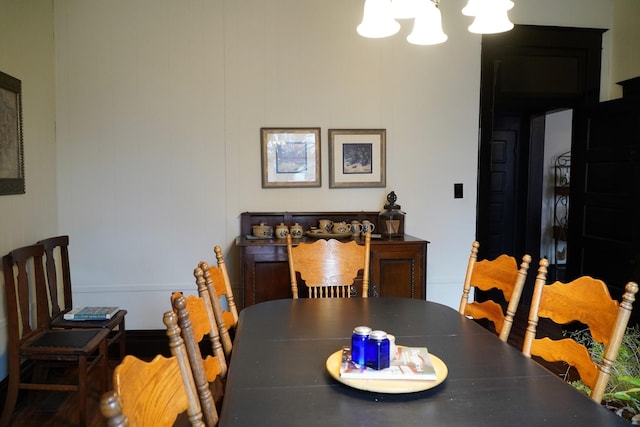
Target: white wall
(159,101)
(625,37)
(141,148)
(26,53)
(158,108)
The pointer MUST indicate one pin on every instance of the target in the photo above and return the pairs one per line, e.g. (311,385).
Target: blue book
(91,313)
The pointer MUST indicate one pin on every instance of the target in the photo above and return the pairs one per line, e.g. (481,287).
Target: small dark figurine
(391,198)
(391,219)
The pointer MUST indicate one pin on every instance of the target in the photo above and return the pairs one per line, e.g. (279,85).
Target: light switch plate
(457,191)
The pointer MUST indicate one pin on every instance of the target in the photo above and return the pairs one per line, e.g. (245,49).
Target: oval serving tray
(388,386)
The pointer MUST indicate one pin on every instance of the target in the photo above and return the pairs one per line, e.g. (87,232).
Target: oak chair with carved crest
(154,393)
(585,300)
(502,274)
(329,266)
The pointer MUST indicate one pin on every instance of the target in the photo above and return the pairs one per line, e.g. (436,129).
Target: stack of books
(409,363)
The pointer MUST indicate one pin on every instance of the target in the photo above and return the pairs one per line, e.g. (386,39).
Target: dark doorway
(525,73)
(511,185)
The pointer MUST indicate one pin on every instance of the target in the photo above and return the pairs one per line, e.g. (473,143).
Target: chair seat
(60,322)
(63,341)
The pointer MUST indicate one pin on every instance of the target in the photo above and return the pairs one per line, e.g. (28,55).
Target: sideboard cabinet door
(265,273)
(399,270)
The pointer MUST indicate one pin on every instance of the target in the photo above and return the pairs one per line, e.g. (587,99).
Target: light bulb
(377,21)
(427,27)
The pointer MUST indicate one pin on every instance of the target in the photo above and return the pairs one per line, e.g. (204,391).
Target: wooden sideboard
(398,264)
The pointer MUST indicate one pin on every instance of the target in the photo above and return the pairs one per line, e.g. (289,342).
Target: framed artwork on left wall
(11,147)
(290,157)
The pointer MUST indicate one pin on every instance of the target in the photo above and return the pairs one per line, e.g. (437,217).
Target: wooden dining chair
(201,324)
(501,274)
(195,321)
(329,266)
(30,336)
(585,300)
(222,286)
(225,321)
(57,255)
(154,393)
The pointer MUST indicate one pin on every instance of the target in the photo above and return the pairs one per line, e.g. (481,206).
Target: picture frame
(357,158)
(11,143)
(290,157)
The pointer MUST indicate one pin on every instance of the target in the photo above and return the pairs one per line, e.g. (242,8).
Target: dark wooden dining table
(278,376)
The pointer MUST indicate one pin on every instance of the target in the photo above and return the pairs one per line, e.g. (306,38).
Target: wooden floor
(59,409)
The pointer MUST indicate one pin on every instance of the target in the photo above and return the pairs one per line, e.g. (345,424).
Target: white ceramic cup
(356,228)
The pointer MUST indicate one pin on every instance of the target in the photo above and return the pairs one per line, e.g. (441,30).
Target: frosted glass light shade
(377,21)
(427,27)
(404,9)
(491,22)
(474,7)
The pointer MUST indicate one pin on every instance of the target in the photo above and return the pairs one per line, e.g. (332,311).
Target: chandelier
(379,18)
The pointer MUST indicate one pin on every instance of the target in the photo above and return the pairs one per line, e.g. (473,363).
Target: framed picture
(290,157)
(11,148)
(357,158)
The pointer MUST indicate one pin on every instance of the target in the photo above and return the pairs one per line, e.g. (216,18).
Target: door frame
(528,72)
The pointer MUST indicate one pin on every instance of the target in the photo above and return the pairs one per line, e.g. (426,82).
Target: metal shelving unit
(562,169)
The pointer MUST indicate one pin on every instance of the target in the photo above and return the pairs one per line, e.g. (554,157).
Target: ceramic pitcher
(367,227)
(356,228)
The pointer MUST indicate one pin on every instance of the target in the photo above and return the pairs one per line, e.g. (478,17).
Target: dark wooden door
(498,185)
(605,195)
(512,185)
(510,182)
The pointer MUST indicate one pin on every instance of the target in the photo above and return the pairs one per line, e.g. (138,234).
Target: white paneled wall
(27,53)
(141,144)
(625,55)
